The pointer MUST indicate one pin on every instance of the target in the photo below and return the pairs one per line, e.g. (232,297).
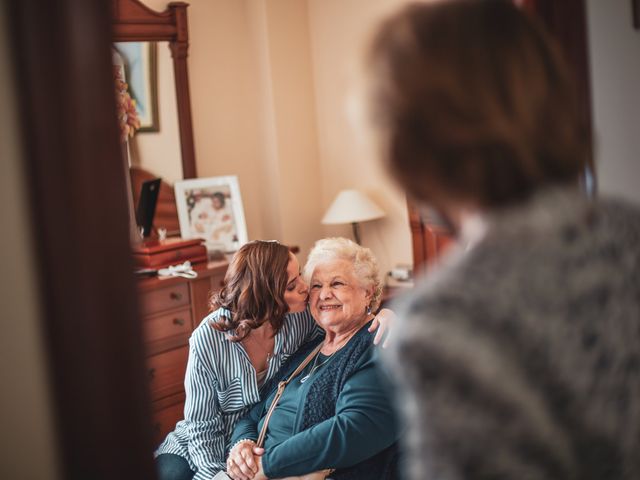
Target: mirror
(155,147)
(166,34)
(163,37)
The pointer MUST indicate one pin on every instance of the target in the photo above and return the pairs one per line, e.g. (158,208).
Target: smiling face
(217,203)
(337,299)
(296,292)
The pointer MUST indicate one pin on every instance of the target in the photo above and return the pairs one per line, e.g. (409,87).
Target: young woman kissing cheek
(296,293)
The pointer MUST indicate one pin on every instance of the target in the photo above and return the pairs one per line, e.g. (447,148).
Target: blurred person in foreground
(520,357)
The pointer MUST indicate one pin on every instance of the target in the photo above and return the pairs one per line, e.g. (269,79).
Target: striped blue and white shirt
(220,385)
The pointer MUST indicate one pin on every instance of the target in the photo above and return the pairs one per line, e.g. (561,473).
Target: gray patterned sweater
(520,358)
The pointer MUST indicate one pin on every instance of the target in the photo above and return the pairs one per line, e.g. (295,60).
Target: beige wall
(293,120)
(270,82)
(253,111)
(239,118)
(225,100)
(340,30)
(159,152)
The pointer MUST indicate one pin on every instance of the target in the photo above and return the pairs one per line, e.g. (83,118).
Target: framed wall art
(211,208)
(141,73)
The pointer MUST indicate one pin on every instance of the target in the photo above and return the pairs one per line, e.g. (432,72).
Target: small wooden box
(171,251)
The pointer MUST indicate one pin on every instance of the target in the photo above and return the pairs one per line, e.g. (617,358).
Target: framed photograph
(211,208)
(141,73)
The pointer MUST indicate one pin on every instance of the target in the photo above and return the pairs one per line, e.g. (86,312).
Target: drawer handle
(178,321)
(152,373)
(175,296)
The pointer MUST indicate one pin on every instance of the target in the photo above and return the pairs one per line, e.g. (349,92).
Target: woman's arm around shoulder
(384,321)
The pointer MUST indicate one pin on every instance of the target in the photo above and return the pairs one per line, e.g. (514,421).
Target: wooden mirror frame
(135,22)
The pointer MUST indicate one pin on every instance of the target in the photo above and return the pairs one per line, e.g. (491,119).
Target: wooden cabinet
(170,309)
(167,412)
(430,238)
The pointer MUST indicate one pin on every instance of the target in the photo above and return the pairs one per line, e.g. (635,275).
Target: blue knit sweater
(330,402)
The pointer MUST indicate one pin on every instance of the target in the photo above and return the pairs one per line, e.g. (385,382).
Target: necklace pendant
(305,378)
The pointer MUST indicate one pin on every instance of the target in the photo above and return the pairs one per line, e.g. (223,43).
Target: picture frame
(211,208)
(140,61)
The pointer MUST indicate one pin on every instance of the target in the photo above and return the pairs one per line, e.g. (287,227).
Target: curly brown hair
(253,290)
(473,102)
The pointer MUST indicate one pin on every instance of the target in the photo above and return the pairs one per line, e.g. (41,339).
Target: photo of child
(211,219)
(211,209)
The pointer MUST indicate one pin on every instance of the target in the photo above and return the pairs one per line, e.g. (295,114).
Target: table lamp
(352,206)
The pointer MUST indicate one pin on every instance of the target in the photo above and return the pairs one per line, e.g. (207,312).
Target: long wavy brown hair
(253,290)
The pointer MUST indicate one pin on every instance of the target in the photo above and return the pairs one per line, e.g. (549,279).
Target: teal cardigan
(343,418)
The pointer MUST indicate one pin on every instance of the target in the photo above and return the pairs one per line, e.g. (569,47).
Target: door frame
(76,186)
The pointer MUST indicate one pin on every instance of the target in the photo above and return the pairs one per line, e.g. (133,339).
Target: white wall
(27,448)
(615,83)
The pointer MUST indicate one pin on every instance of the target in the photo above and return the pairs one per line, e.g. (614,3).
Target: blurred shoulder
(620,215)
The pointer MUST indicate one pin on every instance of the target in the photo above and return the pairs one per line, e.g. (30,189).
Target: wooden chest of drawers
(170,310)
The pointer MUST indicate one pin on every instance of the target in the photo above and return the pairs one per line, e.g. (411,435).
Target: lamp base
(356,232)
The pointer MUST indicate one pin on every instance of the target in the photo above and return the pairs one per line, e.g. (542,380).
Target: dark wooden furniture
(393,291)
(567,23)
(170,310)
(135,22)
(429,239)
(166,211)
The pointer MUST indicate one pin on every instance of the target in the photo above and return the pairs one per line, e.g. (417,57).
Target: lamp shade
(351,206)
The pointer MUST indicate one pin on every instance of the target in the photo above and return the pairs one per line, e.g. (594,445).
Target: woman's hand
(241,464)
(260,475)
(383,322)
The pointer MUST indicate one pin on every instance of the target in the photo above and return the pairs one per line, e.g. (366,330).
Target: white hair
(364,263)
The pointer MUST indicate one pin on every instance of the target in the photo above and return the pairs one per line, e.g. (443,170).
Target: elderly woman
(520,357)
(335,411)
